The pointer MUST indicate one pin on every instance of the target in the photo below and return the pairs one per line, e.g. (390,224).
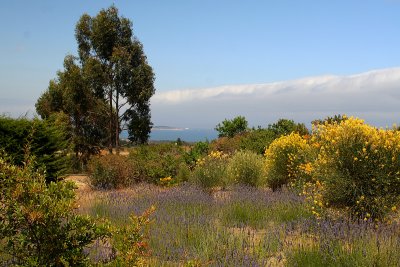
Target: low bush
(153,162)
(288,160)
(131,241)
(257,140)
(210,171)
(112,171)
(38,226)
(247,168)
(45,141)
(227,145)
(183,173)
(197,151)
(359,167)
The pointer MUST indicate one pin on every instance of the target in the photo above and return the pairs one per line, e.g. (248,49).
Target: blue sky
(206,44)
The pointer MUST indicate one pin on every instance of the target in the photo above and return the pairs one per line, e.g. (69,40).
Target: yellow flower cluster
(213,155)
(313,192)
(166,181)
(307,168)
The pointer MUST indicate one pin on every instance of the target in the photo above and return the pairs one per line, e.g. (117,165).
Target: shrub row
(344,164)
(160,164)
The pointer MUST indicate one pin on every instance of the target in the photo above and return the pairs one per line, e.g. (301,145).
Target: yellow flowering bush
(246,167)
(359,166)
(288,160)
(210,171)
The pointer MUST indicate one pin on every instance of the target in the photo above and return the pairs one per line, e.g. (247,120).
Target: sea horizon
(184,134)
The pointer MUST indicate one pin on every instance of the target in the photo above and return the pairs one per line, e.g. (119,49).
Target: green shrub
(131,241)
(37,224)
(211,171)
(199,150)
(247,168)
(257,140)
(287,160)
(183,173)
(112,171)
(227,145)
(359,167)
(153,162)
(45,141)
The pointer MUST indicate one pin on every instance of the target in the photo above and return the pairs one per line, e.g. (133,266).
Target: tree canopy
(229,128)
(286,127)
(106,89)
(106,43)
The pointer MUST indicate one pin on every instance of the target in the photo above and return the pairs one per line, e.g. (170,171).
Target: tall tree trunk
(110,144)
(117,123)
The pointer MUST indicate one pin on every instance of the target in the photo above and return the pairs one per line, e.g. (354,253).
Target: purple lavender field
(243,226)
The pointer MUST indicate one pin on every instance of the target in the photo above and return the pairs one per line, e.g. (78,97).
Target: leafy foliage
(126,80)
(211,170)
(153,162)
(47,143)
(285,127)
(359,167)
(247,168)
(228,145)
(131,241)
(200,149)
(257,140)
(286,160)
(330,120)
(112,171)
(71,96)
(230,128)
(105,89)
(37,223)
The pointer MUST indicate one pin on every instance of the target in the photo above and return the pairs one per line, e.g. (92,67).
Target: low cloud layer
(373,96)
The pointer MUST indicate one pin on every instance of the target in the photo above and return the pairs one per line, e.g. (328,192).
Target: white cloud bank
(373,96)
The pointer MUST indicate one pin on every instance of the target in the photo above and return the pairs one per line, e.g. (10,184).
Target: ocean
(188,135)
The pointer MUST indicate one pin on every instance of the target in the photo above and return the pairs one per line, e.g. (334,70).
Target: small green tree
(286,127)
(37,224)
(230,128)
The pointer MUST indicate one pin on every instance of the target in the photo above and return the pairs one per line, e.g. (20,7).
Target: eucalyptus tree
(70,102)
(120,72)
(105,89)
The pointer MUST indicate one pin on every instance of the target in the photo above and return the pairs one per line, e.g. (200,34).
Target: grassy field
(242,227)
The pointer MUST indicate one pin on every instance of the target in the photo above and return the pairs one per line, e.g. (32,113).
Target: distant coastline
(167,128)
(163,133)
